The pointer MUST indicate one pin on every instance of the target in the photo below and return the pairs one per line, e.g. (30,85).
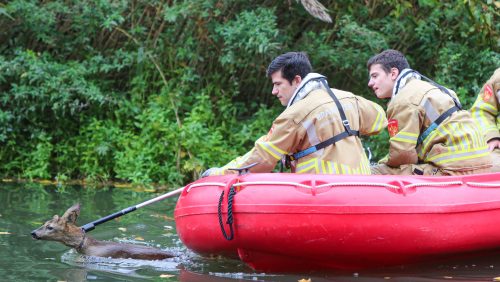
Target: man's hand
(210,171)
(492,144)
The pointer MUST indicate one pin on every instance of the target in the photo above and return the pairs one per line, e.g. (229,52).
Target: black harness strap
(331,141)
(442,88)
(443,116)
(436,123)
(345,121)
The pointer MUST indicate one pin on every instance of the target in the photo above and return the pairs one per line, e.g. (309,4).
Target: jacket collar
(308,84)
(403,78)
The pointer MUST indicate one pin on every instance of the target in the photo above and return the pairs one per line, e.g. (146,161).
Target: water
(24,207)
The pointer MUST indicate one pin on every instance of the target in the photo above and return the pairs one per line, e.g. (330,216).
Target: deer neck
(81,245)
(75,238)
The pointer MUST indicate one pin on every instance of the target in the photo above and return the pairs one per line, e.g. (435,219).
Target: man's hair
(389,59)
(290,64)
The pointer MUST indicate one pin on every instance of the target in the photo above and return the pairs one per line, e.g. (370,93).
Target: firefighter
(486,113)
(429,132)
(318,132)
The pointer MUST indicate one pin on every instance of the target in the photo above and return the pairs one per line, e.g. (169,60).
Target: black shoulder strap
(331,141)
(436,123)
(443,116)
(345,121)
(442,88)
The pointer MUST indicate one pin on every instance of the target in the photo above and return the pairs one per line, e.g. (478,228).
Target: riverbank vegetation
(157,91)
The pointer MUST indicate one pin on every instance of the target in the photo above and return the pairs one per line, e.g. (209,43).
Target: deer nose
(33,234)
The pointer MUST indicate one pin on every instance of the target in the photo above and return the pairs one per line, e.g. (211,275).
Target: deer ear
(72,214)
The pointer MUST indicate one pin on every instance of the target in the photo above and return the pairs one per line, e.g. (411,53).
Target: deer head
(61,229)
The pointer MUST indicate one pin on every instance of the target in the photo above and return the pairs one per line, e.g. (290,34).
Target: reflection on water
(24,207)
(128,267)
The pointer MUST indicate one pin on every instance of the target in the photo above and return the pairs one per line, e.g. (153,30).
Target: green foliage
(5,120)
(95,150)
(36,162)
(250,35)
(155,92)
(454,58)
(148,151)
(341,53)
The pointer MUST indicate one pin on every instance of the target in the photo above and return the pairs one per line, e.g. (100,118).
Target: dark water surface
(24,207)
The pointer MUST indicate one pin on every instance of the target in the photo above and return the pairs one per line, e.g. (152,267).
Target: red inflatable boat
(296,222)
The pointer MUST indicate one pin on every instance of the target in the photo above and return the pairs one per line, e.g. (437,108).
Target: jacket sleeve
(372,118)
(485,111)
(406,122)
(268,149)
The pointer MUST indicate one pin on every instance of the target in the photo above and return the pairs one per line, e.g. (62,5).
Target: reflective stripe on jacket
(310,121)
(456,144)
(486,108)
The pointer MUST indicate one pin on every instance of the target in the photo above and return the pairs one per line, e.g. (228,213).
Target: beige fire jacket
(314,119)
(456,144)
(486,109)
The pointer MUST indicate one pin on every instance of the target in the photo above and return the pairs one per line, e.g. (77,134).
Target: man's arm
(485,112)
(267,150)
(372,118)
(404,129)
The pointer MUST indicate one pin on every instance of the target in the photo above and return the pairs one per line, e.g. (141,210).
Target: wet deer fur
(63,229)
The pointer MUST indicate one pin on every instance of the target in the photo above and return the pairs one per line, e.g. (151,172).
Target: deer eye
(50,227)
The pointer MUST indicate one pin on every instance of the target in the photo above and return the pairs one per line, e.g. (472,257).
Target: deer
(64,230)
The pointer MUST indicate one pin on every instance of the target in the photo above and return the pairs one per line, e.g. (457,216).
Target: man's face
(382,82)
(282,88)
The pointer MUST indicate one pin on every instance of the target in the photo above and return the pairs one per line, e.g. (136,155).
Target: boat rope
(319,186)
(434,184)
(230,197)
(358,184)
(206,184)
(273,183)
(338,184)
(479,184)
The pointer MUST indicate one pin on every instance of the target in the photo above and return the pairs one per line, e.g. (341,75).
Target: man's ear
(297,80)
(394,73)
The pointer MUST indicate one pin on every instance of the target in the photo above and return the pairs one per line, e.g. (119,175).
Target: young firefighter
(319,130)
(429,132)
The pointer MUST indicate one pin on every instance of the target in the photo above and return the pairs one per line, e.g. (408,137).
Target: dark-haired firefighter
(319,130)
(429,132)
